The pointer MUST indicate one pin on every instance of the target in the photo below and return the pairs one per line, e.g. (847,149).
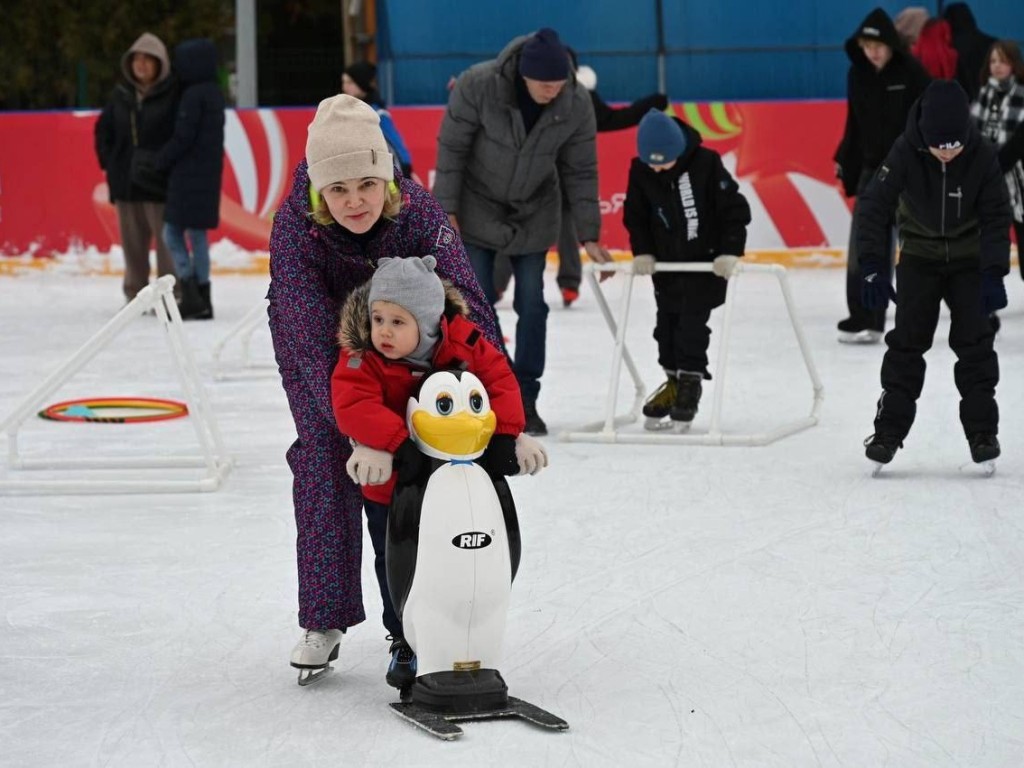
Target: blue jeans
(530,307)
(197,264)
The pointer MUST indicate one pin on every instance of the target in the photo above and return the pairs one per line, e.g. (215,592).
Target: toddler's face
(393,330)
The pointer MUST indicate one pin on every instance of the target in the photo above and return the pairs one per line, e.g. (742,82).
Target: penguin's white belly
(454,616)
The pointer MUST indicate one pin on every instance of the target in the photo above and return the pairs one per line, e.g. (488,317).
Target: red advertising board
(53,196)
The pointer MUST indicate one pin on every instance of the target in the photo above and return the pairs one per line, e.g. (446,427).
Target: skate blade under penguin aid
(443,726)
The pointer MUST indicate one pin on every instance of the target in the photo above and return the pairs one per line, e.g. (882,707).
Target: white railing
(609,429)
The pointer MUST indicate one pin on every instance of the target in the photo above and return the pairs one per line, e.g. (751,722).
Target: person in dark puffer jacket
(944,184)
(137,120)
(883,81)
(195,158)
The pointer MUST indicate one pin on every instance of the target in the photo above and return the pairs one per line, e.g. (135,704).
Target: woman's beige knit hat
(344,141)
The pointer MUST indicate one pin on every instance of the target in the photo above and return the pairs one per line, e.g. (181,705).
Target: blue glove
(993,292)
(875,289)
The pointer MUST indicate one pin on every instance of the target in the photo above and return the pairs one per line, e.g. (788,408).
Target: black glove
(993,292)
(499,460)
(875,289)
(409,461)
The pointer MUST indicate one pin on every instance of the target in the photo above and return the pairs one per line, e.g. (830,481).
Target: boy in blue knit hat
(682,205)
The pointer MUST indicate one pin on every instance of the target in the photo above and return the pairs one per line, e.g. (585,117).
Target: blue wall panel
(726,49)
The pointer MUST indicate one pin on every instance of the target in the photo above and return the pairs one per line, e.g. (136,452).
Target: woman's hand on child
(368,466)
(530,454)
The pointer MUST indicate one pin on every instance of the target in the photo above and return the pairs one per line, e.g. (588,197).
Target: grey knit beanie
(344,141)
(412,284)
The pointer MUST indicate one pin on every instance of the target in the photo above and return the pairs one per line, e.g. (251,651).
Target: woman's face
(998,66)
(356,204)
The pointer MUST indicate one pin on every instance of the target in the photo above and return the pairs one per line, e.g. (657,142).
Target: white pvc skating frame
(158,296)
(607,431)
(243,331)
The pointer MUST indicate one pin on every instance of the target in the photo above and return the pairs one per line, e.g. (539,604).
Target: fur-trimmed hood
(354,326)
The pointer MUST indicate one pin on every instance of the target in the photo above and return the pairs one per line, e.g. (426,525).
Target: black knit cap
(945,115)
(363,73)
(543,57)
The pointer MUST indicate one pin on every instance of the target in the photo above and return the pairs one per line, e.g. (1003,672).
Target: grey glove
(644,264)
(368,466)
(530,454)
(725,266)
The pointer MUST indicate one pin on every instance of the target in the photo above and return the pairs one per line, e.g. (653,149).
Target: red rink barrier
(53,196)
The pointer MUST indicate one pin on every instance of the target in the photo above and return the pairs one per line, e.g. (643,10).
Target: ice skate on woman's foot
(880,448)
(314,652)
(985,450)
(659,405)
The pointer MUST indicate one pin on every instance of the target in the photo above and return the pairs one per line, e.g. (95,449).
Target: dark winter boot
(690,386)
(206,312)
(659,405)
(402,669)
(882,446)
(535,425)
(984,447)
(192,305)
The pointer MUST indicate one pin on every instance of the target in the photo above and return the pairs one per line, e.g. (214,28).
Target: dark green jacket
(947,211)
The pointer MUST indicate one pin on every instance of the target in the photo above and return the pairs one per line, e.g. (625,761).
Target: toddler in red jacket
(395,329)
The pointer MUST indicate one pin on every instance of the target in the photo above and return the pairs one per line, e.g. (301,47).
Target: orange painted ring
(159,410)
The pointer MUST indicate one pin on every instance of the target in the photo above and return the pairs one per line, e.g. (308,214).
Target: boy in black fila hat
(952,212)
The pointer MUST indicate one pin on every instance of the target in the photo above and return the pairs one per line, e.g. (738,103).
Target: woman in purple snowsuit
(363,210)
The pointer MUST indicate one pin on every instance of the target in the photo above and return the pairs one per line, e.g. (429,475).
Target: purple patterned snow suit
(312,271)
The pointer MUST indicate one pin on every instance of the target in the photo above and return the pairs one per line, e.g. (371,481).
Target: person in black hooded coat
(972,47)
(195,157)
(883,82)
(944,184)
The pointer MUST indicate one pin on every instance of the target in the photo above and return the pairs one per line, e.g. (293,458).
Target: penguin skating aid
(452,553)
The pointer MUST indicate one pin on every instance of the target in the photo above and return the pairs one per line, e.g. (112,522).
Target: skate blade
(876,468)
(310,676)
(681,427)
(652,424)
(988,467)
(860,337)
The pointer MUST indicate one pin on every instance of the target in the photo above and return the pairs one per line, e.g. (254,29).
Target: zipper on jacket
(959,195)
(942,224)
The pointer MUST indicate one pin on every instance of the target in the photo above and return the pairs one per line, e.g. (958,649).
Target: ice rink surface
(678,605)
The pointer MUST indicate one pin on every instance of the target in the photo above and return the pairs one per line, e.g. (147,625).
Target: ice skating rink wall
(53,195)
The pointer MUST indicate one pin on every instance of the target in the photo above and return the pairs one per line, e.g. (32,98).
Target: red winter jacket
(370,393)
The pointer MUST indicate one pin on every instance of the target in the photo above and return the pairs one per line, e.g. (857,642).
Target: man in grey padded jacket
(516,129)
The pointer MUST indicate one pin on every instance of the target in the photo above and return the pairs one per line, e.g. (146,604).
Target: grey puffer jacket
(503,183)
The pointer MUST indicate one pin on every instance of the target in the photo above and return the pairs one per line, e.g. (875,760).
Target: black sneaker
(402,669)
(984,447)
(882,446)
(688,391)
(535,425)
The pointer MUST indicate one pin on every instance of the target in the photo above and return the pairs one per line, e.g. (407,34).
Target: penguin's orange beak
(462,435)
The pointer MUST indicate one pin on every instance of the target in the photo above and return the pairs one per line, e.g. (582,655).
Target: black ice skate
(853,332)
(684,409)
(984,450)
(880,448)
(659,405)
